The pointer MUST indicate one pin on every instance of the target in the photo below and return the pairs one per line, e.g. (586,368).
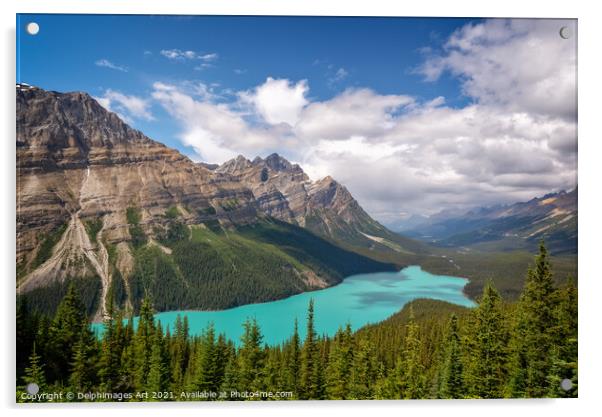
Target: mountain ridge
(551,217)
(95,194)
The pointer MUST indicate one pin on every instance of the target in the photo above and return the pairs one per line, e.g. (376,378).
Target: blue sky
(431,113)
(380,53)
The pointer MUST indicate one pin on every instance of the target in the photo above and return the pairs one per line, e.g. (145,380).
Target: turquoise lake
(358,300)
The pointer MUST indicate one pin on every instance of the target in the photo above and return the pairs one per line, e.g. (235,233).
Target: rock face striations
(77,163)
(325,207)
(89,187)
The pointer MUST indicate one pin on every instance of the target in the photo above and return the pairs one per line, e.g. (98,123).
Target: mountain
(325,207)
(119,215)
(552,217)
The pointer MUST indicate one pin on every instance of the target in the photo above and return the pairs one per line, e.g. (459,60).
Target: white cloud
(354,112)
(216,130)
(520,64)
(516,140)
(177,54)
(128,107)
(278,101)
(108,64)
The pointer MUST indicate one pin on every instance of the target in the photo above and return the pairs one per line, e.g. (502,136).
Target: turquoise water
(359,300)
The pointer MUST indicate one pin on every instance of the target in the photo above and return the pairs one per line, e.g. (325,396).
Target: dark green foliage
(45,300)
(48,241)
(137,234)
(132,215)
(69,326)
(536,330)
(176,232)
(158,364)
(488,347)
(430,349)
(292,361)
(340,364)
(410,369)
(251,358)
(217,269)
(83,366)
(34,373)
(172,213)
(452,372)
(311,378)
(319,254)
(209,368)
(92,228)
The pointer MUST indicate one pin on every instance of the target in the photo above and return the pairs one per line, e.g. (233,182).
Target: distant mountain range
(552,217)
(121,215)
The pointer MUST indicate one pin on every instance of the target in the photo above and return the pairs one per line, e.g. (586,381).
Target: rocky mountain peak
(278,163)
(70,119)
(235,166)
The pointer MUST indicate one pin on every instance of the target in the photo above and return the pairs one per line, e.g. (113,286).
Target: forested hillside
(428,350)
(207,267)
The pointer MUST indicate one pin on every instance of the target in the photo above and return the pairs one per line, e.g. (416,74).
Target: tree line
(495,350)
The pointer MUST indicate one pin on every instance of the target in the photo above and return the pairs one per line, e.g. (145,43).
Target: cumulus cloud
(278,101)
(108,64)
(354,112)
(516,139)
(128,107)
(520,64)
(217,131)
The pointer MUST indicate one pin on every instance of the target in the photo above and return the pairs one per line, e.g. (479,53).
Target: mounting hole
(565,32)
(32,28)
(566,384)
(32,388)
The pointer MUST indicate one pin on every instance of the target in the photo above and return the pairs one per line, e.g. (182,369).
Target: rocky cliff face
(284,191)
(78,163)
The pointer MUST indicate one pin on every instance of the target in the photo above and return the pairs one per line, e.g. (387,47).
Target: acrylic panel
(218,208)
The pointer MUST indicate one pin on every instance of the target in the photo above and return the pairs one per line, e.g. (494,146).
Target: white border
(590,202)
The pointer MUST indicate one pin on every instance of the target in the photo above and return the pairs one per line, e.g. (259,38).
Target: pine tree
(251,358)
(564,353)
(312,385)
(27,324)
(65,331)
(111,352)
(207,373)
(487,357)
(158,372)
(83,365)
(34,373)
(224,350)
(292,361)
(230,382)
(273,375)
(533,341)
(338,373)
(363,371)
(452,374)
(127,363)
(413,378)
(143,345)
(179,353)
